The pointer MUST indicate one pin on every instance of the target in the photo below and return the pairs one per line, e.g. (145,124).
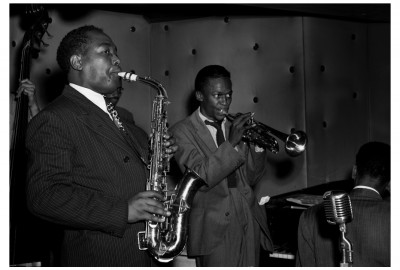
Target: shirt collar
(366,187)
(204,118)
(96,98)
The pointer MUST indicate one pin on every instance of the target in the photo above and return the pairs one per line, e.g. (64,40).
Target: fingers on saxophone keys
(159,215)
(171,149)
(157,218)
(168,140)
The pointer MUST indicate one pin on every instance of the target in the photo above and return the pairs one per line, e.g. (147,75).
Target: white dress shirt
(366,187)
(96,98)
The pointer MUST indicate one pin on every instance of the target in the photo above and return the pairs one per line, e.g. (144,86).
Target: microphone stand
(345,247)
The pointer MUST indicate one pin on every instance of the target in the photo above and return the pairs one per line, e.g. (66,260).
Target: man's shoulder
(377,207)
(185,123)
(314,211)
(181,124)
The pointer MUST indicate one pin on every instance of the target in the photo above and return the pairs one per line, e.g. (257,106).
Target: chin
(219,118)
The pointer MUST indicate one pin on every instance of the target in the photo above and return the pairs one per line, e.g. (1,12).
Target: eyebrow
(220,93)
(108,44)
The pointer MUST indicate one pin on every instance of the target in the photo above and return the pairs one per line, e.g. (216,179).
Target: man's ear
(76,62)
(354,172)
(199,96)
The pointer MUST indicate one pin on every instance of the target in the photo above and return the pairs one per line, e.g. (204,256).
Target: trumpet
(262,135)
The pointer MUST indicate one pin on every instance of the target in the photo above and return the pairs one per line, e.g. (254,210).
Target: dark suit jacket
(81,173)
(369,233)
(209,216)
(125,115)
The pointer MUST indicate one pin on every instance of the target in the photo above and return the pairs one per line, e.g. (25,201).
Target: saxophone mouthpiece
(128,76)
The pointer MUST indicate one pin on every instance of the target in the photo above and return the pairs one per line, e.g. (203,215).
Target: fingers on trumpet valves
(234,116)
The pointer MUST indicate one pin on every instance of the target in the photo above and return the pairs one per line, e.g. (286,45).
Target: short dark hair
(373,159)
(75,42)
(211,71)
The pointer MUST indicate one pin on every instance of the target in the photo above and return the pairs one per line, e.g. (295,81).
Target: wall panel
(265,58)
(329,78)
(336,96)
(379,81)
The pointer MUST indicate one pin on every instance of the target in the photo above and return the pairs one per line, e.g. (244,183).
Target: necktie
(220,133)
(220,140)
(114,115)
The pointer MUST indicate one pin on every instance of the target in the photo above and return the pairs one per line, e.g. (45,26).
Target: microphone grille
(337,207)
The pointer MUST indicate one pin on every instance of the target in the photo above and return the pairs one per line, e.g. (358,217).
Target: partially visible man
(226,223)
(369,231)
(26,87)
(87,170)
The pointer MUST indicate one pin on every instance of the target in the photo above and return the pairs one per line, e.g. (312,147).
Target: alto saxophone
(165,240)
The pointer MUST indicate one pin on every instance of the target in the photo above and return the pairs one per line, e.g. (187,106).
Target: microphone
(337,207)
(338,211)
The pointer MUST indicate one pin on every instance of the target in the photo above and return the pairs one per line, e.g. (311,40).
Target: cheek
(93,73)
(98,74)
(212,102)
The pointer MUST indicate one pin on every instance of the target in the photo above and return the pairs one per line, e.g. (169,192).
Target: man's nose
(223,100)
(116,61)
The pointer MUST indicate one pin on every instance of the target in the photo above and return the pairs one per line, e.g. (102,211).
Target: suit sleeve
(212,167)
(305,246)
(256,165)
(52,192)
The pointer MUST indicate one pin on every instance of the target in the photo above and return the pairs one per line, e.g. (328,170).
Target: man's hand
(238,127)
(144,205)
(171,147)
(28,88)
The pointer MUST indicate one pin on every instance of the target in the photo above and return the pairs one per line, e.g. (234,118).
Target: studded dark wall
(329,78)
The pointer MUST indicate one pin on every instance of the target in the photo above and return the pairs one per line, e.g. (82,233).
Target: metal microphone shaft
(338,211)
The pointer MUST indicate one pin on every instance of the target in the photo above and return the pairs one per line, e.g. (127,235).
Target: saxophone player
(227,225)
(86,169)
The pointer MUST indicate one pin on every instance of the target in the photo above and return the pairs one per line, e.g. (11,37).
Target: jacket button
(226,213)
(126,159)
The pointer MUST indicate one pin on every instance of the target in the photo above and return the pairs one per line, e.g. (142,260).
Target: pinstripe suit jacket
(81,173)
(369,233)
(209,217)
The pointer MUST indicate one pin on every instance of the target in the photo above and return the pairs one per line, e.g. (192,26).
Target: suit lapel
(202,131)
(143,149)
(95,119)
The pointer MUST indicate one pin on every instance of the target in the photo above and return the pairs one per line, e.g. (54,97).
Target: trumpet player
(227,226)
(87,168)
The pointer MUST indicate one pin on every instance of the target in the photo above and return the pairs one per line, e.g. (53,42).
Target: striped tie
(114,115)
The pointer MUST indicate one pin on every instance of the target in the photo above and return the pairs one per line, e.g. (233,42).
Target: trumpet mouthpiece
(223,112)
(128,76)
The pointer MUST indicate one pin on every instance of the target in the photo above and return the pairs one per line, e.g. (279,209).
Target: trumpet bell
(296,143)
(262,135)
